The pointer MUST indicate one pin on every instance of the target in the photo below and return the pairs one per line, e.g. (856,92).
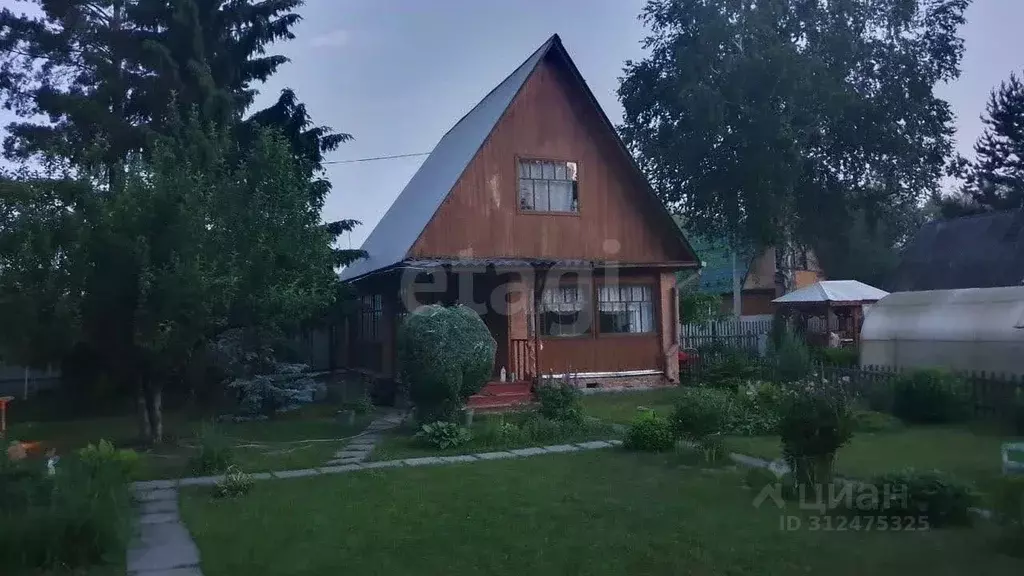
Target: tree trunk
(737,296)
(145,432)
(156,414)
(24,392)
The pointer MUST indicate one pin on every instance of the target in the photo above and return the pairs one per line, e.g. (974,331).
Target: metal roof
(982,251)
(833,291)
(402,224)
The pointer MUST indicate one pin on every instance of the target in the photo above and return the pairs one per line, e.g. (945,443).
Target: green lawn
(622,407)
(966,454)
(287,442)
(401,443)
(596,513)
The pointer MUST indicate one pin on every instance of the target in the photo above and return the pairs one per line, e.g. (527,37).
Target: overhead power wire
(392,157)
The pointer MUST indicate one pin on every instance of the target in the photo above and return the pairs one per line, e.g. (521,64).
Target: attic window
(548,186)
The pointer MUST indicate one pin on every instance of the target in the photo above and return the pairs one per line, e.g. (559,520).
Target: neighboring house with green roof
(757,271)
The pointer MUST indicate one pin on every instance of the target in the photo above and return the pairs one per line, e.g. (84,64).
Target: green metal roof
(716,273)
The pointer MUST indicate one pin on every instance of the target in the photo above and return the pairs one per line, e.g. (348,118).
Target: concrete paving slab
(529,451)
(159,517)
(381,464)
(161,494)
(296,473)
(562,448)
(495,455)
(462,458)
(158,506)
(200,481)
(425,461)
(340,469)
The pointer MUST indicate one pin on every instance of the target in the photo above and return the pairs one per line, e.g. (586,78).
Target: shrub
(561,400)
(22,484)
(930,397)
(444,435)
(445,356)
(841,357)
(1017,412)
(235,483)
(361,405)
(288,388)
(103,455)
(214,451)
(880,397)
(722,367)
(649,433)
(814,423)
(700,413)
(498,431)
(755,409)
(942,500)
(75,519)
(1008,504)
(871,421)
(791,358)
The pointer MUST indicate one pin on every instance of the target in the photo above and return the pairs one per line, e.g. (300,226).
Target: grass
(969,455)
(620,408)
(286,442)
(401,442)
(596,513)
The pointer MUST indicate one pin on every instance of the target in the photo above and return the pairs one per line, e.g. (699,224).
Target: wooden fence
(749,335)
(992,396)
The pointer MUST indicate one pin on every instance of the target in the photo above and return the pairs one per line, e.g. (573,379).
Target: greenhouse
(973,329)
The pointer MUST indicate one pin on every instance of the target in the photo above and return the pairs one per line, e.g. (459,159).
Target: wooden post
(537,293)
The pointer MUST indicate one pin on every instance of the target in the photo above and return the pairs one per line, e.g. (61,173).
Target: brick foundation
(624,383)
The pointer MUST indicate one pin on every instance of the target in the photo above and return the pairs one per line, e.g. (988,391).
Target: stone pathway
(360,447)
(163,546)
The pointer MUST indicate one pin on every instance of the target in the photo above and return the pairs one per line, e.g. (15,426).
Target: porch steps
(499,396)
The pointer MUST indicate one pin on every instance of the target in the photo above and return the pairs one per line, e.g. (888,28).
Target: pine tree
(995,179)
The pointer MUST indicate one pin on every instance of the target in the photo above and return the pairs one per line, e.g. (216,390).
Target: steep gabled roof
(390,241)
(983,251)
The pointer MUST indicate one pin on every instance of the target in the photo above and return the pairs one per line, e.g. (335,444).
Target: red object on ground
(3,414)
(687,357)
(499,396)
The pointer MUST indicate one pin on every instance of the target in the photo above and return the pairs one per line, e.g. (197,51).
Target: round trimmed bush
(699,413)
(649,433)
(446,354)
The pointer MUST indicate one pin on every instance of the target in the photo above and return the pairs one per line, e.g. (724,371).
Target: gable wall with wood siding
(550,119)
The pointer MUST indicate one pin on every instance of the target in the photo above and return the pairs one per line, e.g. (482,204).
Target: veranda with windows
(547,318)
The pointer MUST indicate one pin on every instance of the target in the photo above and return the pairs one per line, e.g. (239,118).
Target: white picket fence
(746,334)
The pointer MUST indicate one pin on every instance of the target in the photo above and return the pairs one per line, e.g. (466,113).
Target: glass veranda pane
(549,171)
(560,171)
(561,196)
(540,196)
(526,194)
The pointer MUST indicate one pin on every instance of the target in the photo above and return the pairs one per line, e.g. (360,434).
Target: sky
(397,74)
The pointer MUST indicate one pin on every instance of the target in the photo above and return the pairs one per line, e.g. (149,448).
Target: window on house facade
(548,186)
(625,309)
(370,311)
(564,311)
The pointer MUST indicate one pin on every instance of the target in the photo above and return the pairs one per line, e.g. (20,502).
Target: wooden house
(532,211)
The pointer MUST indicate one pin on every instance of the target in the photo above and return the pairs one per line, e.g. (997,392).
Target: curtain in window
(625,309)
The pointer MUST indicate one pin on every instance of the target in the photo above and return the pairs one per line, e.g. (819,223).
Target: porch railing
(521,359)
